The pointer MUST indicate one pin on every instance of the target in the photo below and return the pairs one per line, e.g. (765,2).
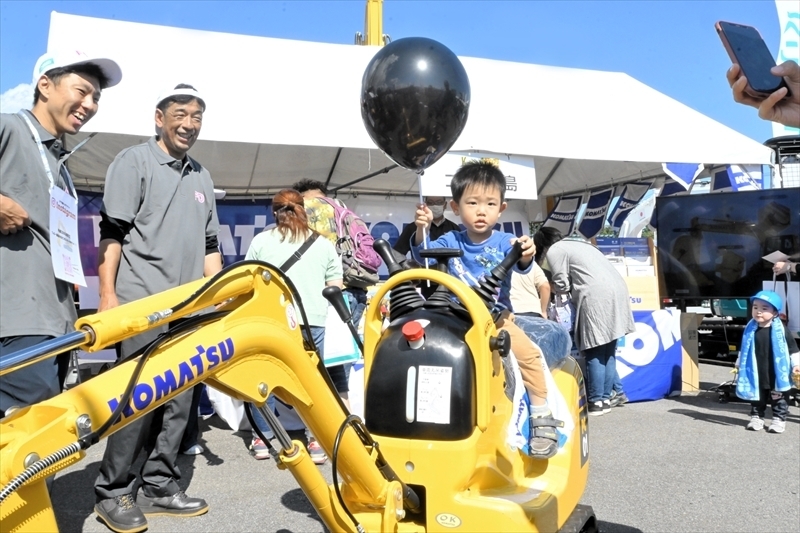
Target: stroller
(726,392)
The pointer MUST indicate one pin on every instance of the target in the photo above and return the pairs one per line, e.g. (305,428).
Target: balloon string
(426,231)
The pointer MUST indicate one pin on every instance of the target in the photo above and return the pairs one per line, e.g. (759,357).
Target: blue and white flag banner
(594,216)
(736,178)
(745,177)
(631,194)
(638,218)
(683,173)
(789,20)
(670,188)
(563,216)
(720,180)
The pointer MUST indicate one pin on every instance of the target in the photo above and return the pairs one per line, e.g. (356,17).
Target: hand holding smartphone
(747,49)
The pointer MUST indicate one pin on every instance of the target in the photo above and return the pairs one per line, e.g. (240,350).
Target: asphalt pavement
(683,464)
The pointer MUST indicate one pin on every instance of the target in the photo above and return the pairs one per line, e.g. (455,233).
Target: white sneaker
(755,424)
(316,452)
(259,449)
(194,450)
(776,426)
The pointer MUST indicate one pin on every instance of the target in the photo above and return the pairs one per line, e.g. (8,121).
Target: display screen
(711,245)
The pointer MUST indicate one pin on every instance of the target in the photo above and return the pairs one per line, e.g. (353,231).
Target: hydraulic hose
(334,460)
(410,498)
(39,466)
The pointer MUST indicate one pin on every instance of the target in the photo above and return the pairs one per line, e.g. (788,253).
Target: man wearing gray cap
(37,302)
(158,231)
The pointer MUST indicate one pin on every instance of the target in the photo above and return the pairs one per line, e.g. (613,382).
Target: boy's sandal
(543,430)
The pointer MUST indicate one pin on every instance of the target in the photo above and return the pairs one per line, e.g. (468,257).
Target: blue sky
(670,46)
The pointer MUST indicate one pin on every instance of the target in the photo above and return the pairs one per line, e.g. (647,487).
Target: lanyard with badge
(64,250)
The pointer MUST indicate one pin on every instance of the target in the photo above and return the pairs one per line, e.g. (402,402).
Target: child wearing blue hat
(763,363)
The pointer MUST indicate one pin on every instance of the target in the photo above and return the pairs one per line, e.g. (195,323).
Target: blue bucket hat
(771,297)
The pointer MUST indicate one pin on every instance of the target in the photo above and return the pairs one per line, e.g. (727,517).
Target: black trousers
(192,433)
(778,400)
(33,383)
(159,432)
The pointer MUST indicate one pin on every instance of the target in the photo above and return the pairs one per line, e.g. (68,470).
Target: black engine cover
(445,354)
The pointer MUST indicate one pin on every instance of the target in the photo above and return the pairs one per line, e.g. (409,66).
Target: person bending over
(602,304)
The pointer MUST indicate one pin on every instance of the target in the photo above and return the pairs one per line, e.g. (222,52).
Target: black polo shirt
(172,213)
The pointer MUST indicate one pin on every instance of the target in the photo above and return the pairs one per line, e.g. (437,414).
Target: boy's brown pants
(528,354)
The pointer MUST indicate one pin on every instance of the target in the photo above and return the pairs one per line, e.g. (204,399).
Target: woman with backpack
(352,239)
(318,267)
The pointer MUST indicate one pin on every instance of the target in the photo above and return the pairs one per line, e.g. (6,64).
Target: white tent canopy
(282,110)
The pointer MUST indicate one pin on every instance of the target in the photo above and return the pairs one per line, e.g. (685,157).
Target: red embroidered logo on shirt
(200,197)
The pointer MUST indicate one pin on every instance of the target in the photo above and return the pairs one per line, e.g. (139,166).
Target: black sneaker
(618,399)
(606,406)
(596,408)
(179,504)
(121,514)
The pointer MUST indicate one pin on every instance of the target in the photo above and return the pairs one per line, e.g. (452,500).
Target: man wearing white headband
(158,231)
(37,302)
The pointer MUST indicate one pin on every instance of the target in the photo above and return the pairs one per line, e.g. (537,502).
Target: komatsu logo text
(170,381)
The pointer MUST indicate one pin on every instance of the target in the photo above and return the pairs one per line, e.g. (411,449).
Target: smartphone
(746,48)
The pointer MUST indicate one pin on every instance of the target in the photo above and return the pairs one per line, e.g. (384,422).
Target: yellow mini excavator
(430,454)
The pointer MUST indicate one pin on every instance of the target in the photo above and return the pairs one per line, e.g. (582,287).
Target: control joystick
(405,298)
(489,287)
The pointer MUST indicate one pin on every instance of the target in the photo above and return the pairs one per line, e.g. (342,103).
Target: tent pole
(550,175)
(364,178)
(333,166)
(253,170)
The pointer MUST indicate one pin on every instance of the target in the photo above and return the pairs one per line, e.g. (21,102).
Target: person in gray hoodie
(602,306)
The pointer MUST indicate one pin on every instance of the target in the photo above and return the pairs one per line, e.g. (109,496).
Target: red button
(413,331)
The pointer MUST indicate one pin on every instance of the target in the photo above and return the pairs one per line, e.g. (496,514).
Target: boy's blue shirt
(478,259)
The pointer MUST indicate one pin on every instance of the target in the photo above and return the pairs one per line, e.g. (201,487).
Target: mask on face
(437,210)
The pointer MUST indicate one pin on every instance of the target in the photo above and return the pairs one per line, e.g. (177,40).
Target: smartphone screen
(753,56)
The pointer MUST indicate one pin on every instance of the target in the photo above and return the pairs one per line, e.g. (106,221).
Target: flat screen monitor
(711,245)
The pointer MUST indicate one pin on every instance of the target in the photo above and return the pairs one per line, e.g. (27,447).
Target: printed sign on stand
(519,172)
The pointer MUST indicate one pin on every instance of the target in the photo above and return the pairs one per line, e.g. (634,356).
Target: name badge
(64,250)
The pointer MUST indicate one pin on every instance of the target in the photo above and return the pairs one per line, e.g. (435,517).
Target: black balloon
(415,101)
